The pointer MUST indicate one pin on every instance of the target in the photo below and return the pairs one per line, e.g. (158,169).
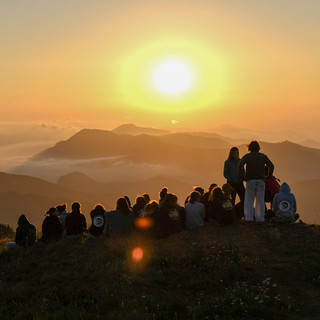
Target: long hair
(216,192)
(98,210)
(122,206)
(230,157)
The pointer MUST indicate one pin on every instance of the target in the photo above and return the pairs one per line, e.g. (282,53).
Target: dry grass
(244,271)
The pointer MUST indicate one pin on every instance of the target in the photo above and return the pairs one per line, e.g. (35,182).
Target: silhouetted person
(25,234)
(76,223)
(176,214)
(221,207)
(97,216)
(206,201)
(198,189)
(128,201)
(120,221)
(138,207)
(254,175)
(195,211)
(147,197)
(162,194)
(51,226)
(231,173)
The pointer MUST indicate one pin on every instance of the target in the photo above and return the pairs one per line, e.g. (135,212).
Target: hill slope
(244,271)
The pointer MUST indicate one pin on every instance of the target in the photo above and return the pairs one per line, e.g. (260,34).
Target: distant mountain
(32,196)
(134,130)
(196,140)
(235,132)
(81,182)
(106,156)
(310,143)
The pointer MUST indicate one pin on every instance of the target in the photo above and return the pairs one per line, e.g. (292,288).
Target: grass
(244,271)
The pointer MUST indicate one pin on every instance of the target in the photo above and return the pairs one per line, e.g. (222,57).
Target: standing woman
(231,173)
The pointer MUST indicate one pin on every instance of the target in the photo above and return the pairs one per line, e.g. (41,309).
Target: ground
(243,271)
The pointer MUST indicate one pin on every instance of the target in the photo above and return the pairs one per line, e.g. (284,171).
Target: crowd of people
(165,216)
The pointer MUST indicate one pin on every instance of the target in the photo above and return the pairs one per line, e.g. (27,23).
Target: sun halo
(172,77)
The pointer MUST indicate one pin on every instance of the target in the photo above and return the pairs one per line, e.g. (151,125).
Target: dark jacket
(76,223)
(51,229)
(98,223)
(255,166)
(25,233)
(230,171)
(222,210)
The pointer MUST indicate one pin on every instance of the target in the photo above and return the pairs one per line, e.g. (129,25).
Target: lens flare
(143,223)
(137,254)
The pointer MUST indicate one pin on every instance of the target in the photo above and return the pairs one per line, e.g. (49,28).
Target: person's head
(122,206)
(285,188)
(195,196)
(52,212)
(76,207)
(23,220)
(128,200)
(227,189)
(163,193)
(216,193)
(233,153)
(151,208)
(147,197)
(61,208)
(141,202)
(170,200)
(99,209)
(254,146)
(212,185)
(199,189)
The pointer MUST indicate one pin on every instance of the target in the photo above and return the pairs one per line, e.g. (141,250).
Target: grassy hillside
(244,271)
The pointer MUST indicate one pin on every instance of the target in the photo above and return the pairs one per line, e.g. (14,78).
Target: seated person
(51,226)
(221,207)
(97,220)
(172,215)
(76,223)
(120,221)
(195,211)
(25,234)
(284,205)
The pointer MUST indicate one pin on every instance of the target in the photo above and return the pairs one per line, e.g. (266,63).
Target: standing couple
(251,168)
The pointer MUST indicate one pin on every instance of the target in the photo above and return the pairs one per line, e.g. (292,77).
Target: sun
(172,77)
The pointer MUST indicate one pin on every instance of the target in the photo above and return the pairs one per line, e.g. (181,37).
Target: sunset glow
(172,77)
(103,63)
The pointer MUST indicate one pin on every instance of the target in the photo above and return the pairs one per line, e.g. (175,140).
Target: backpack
(227,215)
(272,188)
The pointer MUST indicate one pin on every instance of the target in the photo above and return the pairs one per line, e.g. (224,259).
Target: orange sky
(256,62)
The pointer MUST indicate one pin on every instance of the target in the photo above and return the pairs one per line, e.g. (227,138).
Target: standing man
(254,175)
